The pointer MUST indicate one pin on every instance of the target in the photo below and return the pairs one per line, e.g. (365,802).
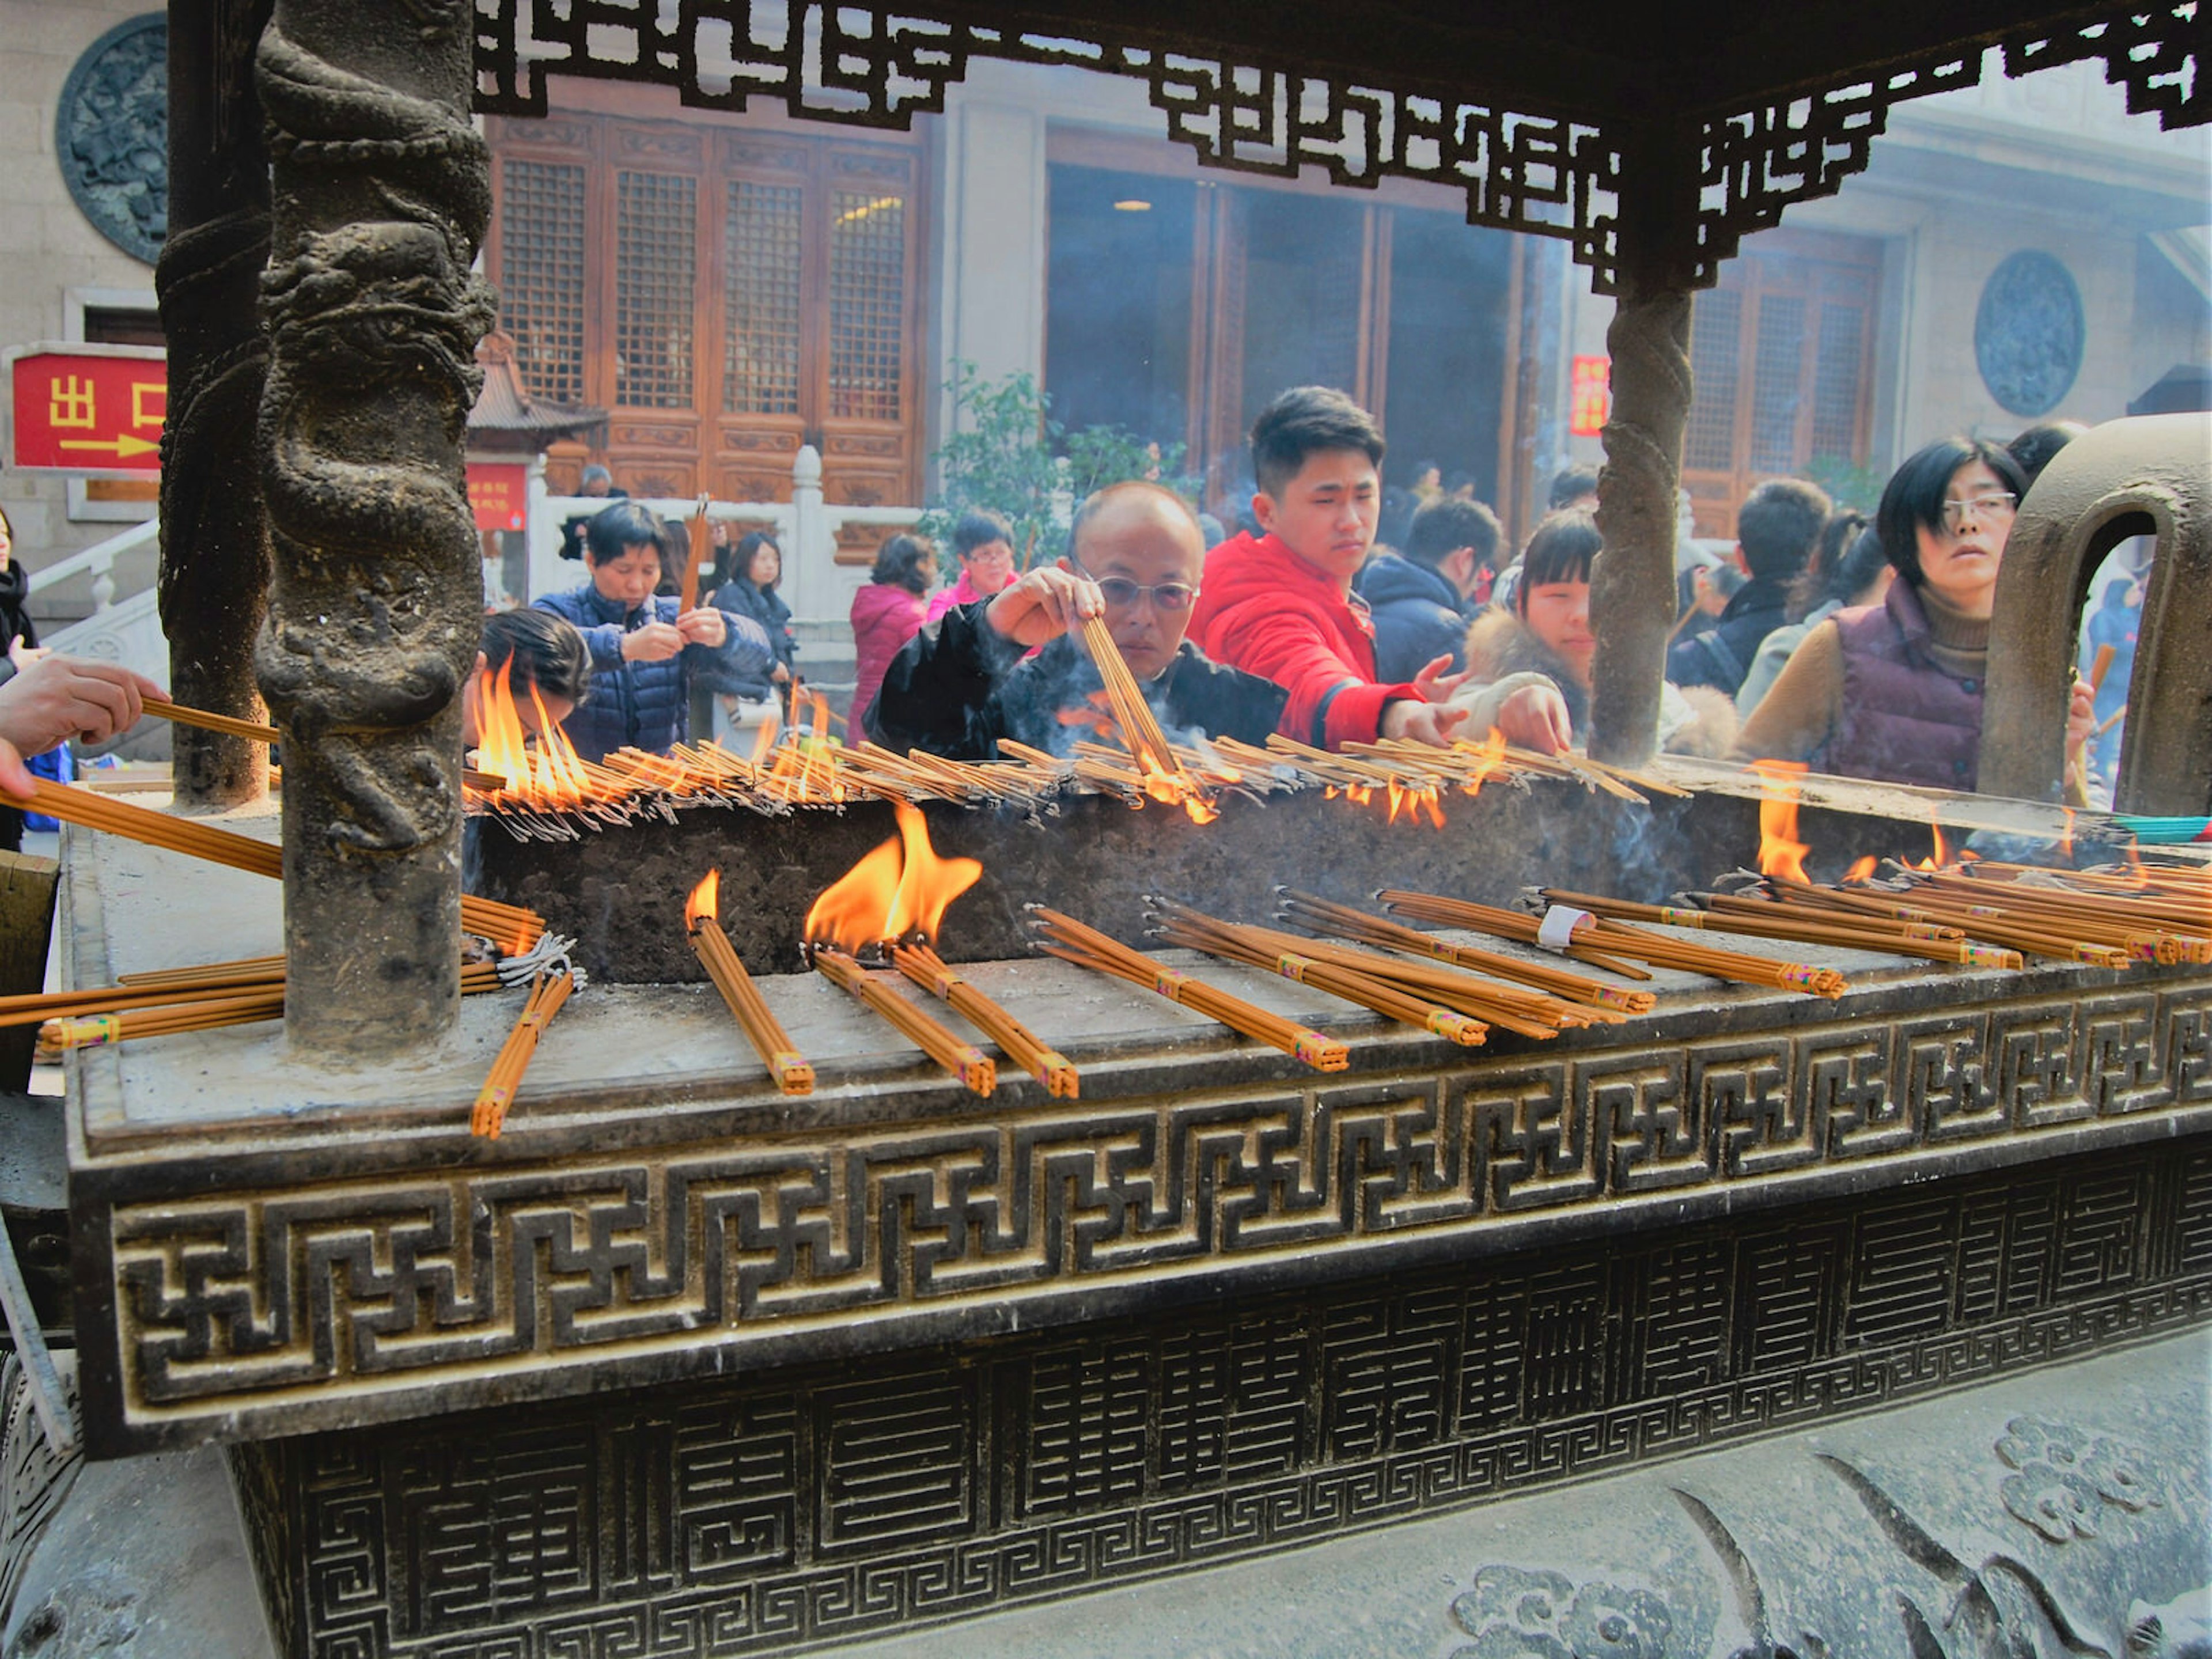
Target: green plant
(1848,484)
(1007,455)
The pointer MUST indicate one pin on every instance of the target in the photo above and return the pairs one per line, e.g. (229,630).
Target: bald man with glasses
(1007,668)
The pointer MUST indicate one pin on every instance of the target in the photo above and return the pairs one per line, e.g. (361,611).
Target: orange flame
(1780,851)
(900,888)
(704,904)
(543,770)
(763,740)
(1490,756)
(1862,868)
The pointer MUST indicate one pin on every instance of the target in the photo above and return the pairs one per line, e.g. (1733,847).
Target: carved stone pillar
(215,540)
(381,190)
(1632,594)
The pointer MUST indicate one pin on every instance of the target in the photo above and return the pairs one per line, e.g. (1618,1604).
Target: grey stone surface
(2079,1490)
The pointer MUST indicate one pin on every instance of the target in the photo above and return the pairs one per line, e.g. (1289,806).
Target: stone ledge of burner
(630,1065)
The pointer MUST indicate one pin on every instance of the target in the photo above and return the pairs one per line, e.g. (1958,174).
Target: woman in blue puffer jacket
(646,650)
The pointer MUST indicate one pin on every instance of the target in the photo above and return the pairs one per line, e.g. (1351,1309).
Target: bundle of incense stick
(1072,941)
(507,924)
(793,1075)
(1498,924)
(1618,939)
(964,1060)
(1322,916)
(1760,919)
(179,714)
(701,551)
(2168,932)
(1988,924)
(70,1019)
(1021,1045)
(1531,1012)
(1196,930)
(90,1030)
(1139,730)
(547,993)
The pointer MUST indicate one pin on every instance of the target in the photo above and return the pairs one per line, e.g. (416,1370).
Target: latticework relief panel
(1543,171)
(731,1517)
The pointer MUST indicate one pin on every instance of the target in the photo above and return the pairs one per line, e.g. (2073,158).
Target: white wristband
(1557,929)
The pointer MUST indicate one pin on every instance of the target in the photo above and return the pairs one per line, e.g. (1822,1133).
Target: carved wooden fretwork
(1545,172)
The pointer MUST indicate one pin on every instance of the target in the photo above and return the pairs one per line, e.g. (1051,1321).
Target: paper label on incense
(1292,967)
(1557,931)
(1167,980)
(1314,1049)
(1799,975)
(1680,917)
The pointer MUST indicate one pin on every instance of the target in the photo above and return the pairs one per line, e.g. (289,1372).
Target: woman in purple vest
(1894,690)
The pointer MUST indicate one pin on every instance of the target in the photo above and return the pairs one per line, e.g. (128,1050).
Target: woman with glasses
(1005,666)
(1894,690)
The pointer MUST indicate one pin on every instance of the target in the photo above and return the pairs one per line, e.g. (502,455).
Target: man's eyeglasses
(1999,504)
(1170,598)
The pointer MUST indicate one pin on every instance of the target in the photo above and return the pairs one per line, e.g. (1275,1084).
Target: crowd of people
(1857,649)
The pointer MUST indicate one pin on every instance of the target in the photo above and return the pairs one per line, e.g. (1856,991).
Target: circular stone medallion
(2028,332)
(111,134)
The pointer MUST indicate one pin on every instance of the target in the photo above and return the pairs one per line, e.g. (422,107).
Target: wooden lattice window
(867,304)
(656,264)
(541,275)
(761,260)
(1782,356)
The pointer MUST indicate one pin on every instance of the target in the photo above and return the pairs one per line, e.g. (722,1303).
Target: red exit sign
(88,408)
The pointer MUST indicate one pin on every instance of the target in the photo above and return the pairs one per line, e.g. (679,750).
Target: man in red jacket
(1281,606)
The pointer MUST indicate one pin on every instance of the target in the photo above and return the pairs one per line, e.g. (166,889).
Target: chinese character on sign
(88,409)
(1592,402)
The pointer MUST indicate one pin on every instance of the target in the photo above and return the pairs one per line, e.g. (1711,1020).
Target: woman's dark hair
(904,561)
(1305,421)
(547,651)
(1563,549)
(741,558)
(9,525)
(1861,562)
(1913,499)
(615,530)
(1815,585)
(2034,447)
(977,528)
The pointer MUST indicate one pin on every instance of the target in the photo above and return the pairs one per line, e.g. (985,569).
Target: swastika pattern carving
(646,1265)
(735,1516)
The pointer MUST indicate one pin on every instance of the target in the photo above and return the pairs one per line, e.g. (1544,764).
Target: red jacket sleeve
(1332,703)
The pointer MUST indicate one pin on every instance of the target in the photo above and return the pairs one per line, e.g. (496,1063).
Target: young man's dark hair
(1570,486)
(2034,447)
(1913,498)
(1777,525)
(1563,549)
(614,530)
(904,561)
(977,528)
(1445,526)
(546,651)
(1302,420)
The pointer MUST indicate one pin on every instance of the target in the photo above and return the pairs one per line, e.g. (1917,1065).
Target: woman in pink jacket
(886,614)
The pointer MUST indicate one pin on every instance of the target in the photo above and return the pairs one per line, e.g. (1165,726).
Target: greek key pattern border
(457,1277)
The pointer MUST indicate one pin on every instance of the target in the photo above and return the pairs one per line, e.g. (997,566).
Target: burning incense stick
(701,920)
(504,923)
(964,1060)
(547,993)
(701,552)
(925,968)
(1072,941)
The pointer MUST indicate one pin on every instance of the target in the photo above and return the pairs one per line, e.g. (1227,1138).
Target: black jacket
(15,619)
(959,686)
(1721,656)
(765,606)
(1417,614)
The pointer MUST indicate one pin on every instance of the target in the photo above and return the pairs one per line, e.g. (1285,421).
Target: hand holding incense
(793,1075)
(925,968)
